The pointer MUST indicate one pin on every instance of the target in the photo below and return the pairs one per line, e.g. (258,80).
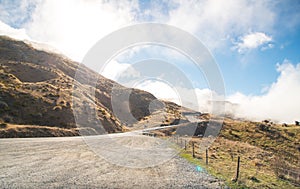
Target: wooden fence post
(206,156)
(193,149)
(180,142)
(237,170)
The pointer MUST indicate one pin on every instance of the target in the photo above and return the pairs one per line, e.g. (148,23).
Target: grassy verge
(262,150)
(247,178)
(211,171)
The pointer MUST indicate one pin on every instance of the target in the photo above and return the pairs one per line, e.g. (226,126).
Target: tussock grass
(260,149)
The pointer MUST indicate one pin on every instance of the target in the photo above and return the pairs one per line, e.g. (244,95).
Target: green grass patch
(259,152)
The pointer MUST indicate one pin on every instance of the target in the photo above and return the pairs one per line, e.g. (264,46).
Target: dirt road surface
(73,162)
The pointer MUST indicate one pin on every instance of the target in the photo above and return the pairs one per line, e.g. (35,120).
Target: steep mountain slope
(36,88)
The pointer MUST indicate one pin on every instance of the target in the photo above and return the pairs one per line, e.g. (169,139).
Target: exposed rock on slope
(36,88)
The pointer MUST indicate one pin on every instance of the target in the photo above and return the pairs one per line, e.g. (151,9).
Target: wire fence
(232,162)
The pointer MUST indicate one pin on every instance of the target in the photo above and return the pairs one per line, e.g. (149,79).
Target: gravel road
(70,163)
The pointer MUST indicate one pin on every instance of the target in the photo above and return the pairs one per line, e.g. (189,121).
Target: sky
(256,45)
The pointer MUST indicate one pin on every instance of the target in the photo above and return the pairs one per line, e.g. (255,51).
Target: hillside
(36,88)
(269,153)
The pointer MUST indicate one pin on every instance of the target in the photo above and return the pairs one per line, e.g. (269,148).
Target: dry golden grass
(260,152)
(16,131)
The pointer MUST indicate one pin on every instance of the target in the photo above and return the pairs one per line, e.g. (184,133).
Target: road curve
(70,162)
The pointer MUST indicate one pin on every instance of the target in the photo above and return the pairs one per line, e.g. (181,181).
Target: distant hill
(36,88)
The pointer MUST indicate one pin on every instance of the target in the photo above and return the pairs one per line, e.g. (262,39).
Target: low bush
(3,125)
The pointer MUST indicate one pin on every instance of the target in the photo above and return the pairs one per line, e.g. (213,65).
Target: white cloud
(281,101)
(15,13)
(204,97)
(203,100)
(160,90)
(21,34)
(74,26)
(119,71)
(266,47)
(197,99)
(12,32)
(254,40)
(215,22)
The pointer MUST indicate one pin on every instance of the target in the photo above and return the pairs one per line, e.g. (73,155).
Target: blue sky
(257,68)
(253,42)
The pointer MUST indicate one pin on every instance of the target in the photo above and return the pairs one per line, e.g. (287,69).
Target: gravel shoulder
(69,162)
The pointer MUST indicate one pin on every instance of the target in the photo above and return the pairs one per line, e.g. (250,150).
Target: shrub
(3,105)
(3,125)
(103,112)
(7,119)
(263,127)
(291,134)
